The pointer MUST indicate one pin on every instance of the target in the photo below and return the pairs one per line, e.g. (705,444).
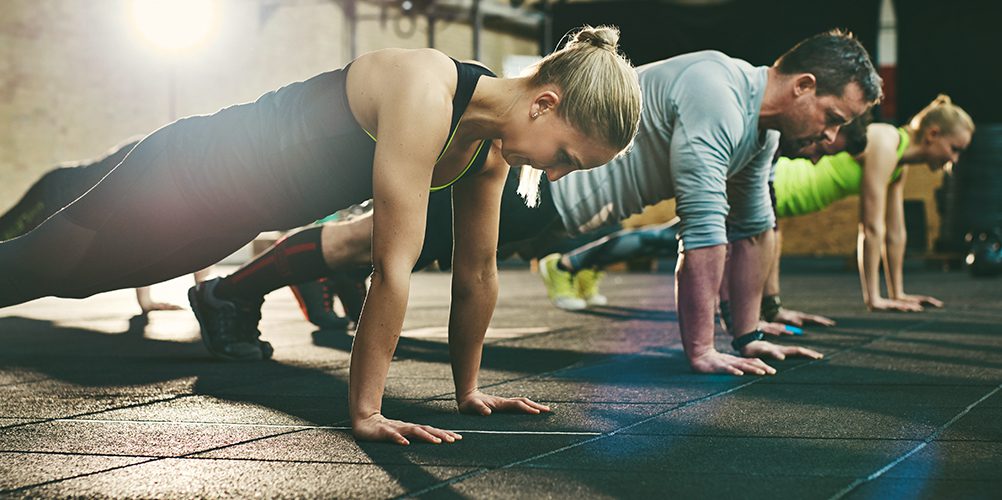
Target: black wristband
(770,307)
(740,342)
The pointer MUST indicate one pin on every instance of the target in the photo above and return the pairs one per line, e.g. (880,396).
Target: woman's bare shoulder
(404,62)
(882,135)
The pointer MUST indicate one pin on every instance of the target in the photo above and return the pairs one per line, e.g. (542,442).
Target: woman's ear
(544,102)
(932,133)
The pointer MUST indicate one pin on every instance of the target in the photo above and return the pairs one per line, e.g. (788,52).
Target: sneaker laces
(587,281)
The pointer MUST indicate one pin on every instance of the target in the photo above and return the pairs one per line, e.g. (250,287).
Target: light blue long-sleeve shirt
(699,143)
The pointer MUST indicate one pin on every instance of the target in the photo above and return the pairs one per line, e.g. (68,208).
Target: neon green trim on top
(461,174)
(803,188)
(902,146)
(440,155)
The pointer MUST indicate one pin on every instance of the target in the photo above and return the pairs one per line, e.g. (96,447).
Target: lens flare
(174,25)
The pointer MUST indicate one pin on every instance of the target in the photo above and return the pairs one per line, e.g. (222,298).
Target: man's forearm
(697,281)
(772,281)
(749,267)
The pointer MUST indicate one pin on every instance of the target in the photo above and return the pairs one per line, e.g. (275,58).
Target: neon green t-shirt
(803,187)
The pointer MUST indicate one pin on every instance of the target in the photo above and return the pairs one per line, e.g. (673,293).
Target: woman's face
(550,144)
(941,149)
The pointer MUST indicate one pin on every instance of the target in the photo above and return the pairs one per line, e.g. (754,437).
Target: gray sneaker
(228,327)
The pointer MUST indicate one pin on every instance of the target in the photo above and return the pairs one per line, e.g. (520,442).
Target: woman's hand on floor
(922,300)
(379,428)
(799,318)
(478,403)
(882,304)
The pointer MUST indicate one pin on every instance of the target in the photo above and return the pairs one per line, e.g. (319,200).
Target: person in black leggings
(199,188)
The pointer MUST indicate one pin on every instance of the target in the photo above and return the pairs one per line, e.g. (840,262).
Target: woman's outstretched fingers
(539,406)
(444,435)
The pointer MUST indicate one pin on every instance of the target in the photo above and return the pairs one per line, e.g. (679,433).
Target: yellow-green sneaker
(560,285)
(587,282)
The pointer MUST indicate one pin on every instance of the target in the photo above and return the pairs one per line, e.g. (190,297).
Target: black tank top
(468,75)
(294,155)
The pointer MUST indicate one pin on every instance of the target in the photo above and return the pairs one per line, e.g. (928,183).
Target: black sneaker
(228,327)
(316,301)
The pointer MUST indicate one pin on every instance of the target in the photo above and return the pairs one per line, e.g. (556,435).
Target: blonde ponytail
(941,112)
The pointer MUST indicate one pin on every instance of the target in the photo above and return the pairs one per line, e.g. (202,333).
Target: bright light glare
(174,25)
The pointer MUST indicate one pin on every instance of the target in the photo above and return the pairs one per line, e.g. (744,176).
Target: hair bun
(942,99)
(603,37)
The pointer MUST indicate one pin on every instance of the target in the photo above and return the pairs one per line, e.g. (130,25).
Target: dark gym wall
(950,47)
(757,31)
(953,48)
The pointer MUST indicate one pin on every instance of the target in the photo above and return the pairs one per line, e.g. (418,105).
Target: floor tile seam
(189,454)
(863,344)
(323,462)
(877,384)
(555,401)
(690,472)
(971,440)
(451,395)
(26,422)
(237,443)
(915,439)
(929,439)
(940,356)
(560,330)
(79,454)
(305,427)
(864,409)
(78,476)
(188,423)
(484,470)
(95,412)
(573,366)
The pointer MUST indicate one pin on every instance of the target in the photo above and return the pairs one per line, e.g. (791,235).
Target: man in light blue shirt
(709,130)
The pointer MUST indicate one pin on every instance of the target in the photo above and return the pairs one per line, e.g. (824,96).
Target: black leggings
(134,228)
(652,241)
(56,189)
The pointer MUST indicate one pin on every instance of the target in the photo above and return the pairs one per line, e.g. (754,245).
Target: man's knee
(347,243)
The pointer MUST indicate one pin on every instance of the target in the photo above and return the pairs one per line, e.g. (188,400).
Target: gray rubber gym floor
(97,403)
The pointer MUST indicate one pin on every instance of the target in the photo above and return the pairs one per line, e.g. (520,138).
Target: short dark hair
(836,59)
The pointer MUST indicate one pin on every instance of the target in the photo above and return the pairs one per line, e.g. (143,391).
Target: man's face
(815,150)
(813,118)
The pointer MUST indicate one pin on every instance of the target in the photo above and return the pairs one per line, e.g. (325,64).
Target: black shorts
(523,230)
